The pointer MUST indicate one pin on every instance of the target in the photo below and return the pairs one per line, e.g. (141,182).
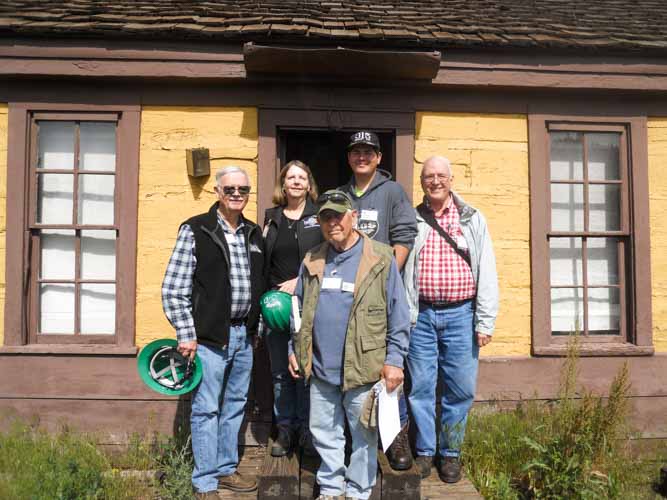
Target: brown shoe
(209,495)
(399,454)
(237,482)
(449,469)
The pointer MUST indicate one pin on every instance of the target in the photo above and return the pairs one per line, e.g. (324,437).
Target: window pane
(56,145)
(566,261)
(567,310)
(603,156)
(98,255)
(55,195)
(602,268)
(57,255)
(98,309)
(604,307)
(605,207)
(567,207)
(96,199)
(56,308)
(567,155)
(98,146)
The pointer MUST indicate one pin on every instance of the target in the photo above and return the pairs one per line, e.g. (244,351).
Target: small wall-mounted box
(199,163)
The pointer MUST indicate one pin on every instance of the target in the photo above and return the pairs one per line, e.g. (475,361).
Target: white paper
(389,420)
(296,314)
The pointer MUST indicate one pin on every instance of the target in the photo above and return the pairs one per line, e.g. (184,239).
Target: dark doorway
(324,151)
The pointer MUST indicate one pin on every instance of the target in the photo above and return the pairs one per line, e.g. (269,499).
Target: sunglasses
(230,190)
(336,197)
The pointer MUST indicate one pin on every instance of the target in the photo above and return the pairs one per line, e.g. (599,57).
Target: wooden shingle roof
(610,25)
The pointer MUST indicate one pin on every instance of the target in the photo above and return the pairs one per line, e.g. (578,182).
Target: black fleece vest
(211,289)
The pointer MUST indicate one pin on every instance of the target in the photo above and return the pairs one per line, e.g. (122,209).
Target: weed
(573,448)
(175,465)
(63,466)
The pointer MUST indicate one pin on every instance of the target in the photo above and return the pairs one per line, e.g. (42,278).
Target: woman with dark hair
(290,230)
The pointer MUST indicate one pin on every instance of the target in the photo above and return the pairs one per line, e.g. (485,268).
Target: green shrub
(572,448)
(174,462)
(36,465)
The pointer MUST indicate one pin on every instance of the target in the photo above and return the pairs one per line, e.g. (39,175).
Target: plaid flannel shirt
(177,284)
(444,275)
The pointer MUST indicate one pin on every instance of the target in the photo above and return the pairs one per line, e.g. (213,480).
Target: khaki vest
(366,338)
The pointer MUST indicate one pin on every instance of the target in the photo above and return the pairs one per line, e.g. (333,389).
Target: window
(77,183)
(73,229)
(589,235)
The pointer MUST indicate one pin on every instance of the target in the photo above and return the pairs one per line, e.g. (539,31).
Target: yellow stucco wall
(3,220)
(489,154)
(657,159)
(167,196)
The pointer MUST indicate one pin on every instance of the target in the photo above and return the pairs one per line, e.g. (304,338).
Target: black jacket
(211,289)
(308,233)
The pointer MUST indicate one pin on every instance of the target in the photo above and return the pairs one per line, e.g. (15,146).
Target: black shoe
(449,469)
(424,464)
(283,443)
(399,454)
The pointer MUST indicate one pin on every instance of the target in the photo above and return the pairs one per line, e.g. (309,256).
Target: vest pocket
(368,343)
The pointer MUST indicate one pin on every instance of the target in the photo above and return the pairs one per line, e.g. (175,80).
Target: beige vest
(366,338)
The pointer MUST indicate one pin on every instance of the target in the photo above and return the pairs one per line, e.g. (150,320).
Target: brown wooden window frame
(22,259)
(634,258)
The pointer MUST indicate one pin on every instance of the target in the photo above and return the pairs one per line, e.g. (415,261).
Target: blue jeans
(442,345)
(290,397)
(329,406)
(218,405)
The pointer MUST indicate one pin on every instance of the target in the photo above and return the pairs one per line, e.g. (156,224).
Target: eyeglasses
(230,190)
(430,178)
(335,197)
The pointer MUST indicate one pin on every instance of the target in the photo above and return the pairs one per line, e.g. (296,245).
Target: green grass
(64,466)
(576,447)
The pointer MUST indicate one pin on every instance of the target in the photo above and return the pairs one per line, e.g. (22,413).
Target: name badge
(348,287)
(371,215)
(461,242)
(331,283)
(231,239)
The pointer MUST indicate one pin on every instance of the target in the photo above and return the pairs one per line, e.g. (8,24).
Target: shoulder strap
(429,218)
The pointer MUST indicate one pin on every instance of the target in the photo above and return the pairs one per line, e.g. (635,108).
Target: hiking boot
(424,463)
(237,482)
(283,442)
(399,454)
(209,495)
(449,469)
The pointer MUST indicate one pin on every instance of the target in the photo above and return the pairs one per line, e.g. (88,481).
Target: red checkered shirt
(443,274)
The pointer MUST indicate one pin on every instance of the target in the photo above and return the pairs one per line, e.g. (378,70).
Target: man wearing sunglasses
(385,215)
(210,294)
(351,331)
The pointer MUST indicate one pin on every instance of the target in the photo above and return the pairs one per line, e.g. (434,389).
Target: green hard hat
(167,371)
(276,307)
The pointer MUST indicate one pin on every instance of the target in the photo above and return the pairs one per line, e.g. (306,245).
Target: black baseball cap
(364,137)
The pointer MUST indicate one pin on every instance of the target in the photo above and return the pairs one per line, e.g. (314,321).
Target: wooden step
(279,476)
(397,484)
